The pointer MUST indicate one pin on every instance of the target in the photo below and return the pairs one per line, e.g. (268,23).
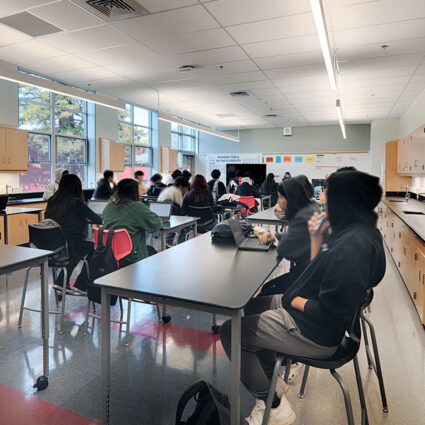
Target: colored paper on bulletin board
(309,159)
(298,159)
(278,159)
(287,159)
(269,159)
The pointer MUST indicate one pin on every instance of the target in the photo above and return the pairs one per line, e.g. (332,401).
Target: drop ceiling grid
(240,34)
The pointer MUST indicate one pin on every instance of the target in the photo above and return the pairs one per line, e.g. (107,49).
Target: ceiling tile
(160,25)
(60,64)
(10,36)
(141,67)
(195,41)
(209,57)
(66,15)
(10,7)
(84,75)
(161,5)
(287,61)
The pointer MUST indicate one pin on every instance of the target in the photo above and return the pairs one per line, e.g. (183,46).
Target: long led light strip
(41,83)
(341,118)
(169,118)
(322,32)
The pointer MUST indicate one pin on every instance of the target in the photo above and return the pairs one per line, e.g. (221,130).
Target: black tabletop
(198,271)
(16,210)
(10,255)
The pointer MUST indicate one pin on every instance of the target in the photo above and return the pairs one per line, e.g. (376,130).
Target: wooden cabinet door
(16,229)
(418,151)
(117,156)
(2,148)
(419,293)
(16,150)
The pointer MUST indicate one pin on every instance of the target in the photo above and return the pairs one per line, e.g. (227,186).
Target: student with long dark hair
(296,199)
(126,211)
(269,187)
(200,196)
(68,209)
(314,313)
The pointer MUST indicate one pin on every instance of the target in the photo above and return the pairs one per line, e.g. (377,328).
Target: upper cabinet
(111,155)
(13,150)
(411,153)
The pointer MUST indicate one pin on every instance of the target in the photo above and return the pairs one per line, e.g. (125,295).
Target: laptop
(162,209)
(242,242)
(3,202)
(97,206)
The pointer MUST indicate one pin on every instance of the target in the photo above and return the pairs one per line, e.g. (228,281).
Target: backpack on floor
(212,407)
(102,263)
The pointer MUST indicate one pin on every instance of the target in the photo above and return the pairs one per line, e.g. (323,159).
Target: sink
(394,200)
(414,212)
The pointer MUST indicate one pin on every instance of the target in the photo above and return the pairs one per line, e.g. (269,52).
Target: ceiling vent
(113,10)
(239,94)
(29,24)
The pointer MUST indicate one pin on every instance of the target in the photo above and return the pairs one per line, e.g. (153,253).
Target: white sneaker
(281,415)
(294,372)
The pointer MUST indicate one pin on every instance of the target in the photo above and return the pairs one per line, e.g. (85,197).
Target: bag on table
(222,231)
(212,407)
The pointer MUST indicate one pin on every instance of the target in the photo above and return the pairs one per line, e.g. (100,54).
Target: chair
(346,352)
(205,215)
(121,247)
(247,200)
(49,236)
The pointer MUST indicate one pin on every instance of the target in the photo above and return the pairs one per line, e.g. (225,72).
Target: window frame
(181,132)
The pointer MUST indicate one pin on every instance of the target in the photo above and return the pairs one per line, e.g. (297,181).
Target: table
(14,210)
(13,258)
(175,224)
(228,283)
(267,217)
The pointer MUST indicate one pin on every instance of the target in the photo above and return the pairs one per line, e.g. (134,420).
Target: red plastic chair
(248,200)
(121,242)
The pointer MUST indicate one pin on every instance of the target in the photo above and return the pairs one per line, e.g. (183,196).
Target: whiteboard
(313,165)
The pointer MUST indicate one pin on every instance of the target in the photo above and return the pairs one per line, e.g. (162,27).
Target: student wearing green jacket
(126,211)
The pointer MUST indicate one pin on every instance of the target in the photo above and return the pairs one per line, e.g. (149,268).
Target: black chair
(48,235)
(205,214)
(346,352)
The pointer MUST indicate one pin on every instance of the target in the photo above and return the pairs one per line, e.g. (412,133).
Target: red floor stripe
(21,409)
(168,333)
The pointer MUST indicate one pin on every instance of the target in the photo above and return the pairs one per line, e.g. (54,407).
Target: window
(57,137)
(135,130)
(184,140)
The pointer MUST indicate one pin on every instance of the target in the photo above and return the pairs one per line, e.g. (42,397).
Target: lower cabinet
(18,228)
(408,252)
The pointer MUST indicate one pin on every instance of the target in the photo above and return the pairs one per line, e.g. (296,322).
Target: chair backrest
(205,214)
(248,200)
(121,242)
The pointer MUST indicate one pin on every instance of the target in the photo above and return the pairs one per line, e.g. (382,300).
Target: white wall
(414,117)
(381,132)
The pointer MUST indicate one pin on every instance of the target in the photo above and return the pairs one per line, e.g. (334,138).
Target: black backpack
(223,232)
(212,407)
(102,263)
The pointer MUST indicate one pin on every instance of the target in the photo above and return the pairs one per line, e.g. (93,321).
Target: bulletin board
(313,165)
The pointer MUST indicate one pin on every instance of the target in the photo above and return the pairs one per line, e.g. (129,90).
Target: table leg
(163,245)
(106,354)
(236,368)
(42,381)
(40,217)
(6,236)
(195,230)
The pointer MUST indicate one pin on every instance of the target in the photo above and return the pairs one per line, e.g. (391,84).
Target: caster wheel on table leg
(166,319)
(42,383)
(215,329)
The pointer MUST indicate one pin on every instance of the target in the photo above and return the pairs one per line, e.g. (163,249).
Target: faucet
(407,196)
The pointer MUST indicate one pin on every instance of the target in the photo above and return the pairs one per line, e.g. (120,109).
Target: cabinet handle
(392,224)
(399,264)
(414,295)
(399,235)
(416,256)
(8,160)
(391,249)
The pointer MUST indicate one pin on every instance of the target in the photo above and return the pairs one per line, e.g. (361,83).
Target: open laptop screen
(161,209)
(236,228)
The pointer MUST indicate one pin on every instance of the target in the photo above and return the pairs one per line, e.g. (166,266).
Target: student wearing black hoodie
(314,313)
(296,198)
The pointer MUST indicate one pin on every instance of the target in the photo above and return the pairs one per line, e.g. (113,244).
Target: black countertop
(413,221)
(33,197)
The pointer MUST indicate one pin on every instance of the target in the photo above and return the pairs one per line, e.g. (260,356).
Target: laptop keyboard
(252,243)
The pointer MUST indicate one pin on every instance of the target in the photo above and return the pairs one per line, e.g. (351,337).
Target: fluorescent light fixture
(322,32)
(341,118)
(169,118)
(41,83)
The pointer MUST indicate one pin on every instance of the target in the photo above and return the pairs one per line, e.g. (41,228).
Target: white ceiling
(268,47)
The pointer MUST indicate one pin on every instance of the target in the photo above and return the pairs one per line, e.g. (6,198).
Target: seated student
(216,185)
(68,209)
(187,175)
(53,187)
(105,186)
(126,211)
(138,176)
(322,194)
(175,194)
(172,177)
(269,187)
(155,185)
(287,175)
(296,199)
(247,188)
(199,196)
(312,317)
(234,183)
